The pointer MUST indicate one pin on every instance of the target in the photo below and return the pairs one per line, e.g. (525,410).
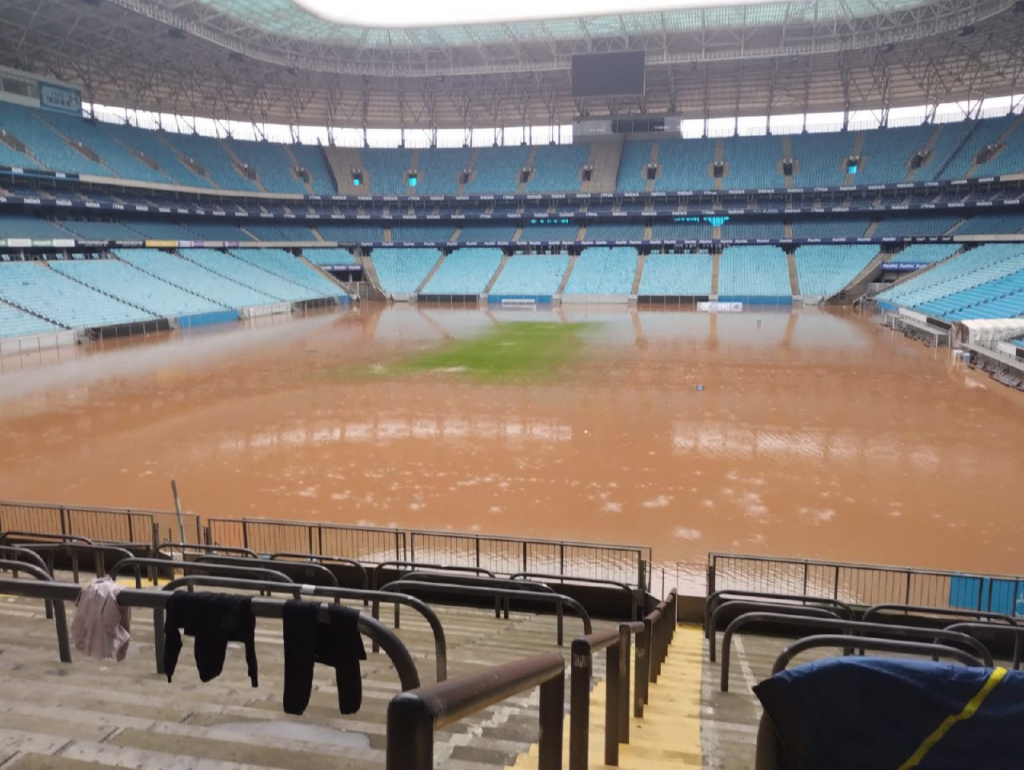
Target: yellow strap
(968,711)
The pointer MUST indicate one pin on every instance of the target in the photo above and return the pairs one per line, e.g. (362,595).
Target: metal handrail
(1017,632)
(375,583)
(880,609)
(59,616)
(652,647)
(874,644)
(634,594)
(423,576)
(330,592)
(171,548)
(261,608)
(289,556)
(233,561)
(463,590)
(841,625)
(795,610)
(191,566)
(414,716)
(616,714)
(5,536)
(98,551)
(714,601)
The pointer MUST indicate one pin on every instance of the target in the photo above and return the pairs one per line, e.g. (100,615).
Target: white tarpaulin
(989,331)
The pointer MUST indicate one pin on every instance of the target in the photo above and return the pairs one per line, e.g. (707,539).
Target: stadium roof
(275,61)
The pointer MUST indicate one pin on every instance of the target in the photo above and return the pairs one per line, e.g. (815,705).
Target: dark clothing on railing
(213,620)
(336,644)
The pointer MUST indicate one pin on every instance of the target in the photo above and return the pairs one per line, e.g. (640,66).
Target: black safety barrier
(795,610)
(59,616)
(1017,632)
(364,577)
(415,566)
(19,553)
(634,595)
(224,570)
(318,570)
(717,598)
(169,549)
(651,648)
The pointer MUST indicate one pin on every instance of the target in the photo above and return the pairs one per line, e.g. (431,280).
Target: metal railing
(864,584)
(414,716)
(717,598)
(185,567)
(651,648)
(793,610)
(634,596)
(120,525)
(54,609)
(365,544)
(314,573)
(853,627)
(339,561)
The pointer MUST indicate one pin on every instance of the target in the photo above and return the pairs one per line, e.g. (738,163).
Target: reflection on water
(815,434)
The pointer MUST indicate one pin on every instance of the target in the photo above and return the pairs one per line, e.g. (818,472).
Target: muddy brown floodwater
(816,435)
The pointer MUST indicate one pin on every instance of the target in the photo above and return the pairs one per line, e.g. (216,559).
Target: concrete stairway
(787,152)
(460,190)
(641,261)
(654,159)
(568,273)
(295,164)
(531,161)
(858,144)
(431,274)
(794,279)
(189,163)
(342,160)
(496,276)
(605,156)
(1000,143)
(927,148)
(82,149)
(255,178)
(89,714)
(716,264)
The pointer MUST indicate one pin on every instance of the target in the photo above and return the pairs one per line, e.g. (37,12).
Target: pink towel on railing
(101,628)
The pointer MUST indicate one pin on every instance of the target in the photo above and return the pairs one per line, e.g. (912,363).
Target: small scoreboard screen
(608,74)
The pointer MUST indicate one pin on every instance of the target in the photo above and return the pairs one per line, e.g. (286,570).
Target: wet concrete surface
(816,434)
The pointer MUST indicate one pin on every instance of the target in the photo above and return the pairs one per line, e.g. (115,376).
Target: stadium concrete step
(460,190)
(572,264)
(926,148)
(433,270)
(640,263)
(531,162)
(189,163)
(716,263)
(794,278)
(101,714)
(669,734)
(498,272)
(787,154)
(343,161)
(653,159)
(604,158)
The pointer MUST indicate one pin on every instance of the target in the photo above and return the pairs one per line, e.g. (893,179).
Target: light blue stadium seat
(101,231)
(603,271)
(113,154)
(682,231)
(994,223)
(499,233)
(685,164)
(311,157)
(633,166)
(135,287)
(615,231)
(351,233)
(948,138)
(328,257)
(439,170)
(676,275)
(210,154)
(886,153)
(271,164)
(18,323)
(557,168)
(826,270)
(240,271)
(557,232)
(464,272)
(753,162)
(401,271)
(150,144)
(28,127)
(752,229)
(920,224)
(829,227)
(821,158)
(496,170)
(921,253)
(189,276)
(753,271)
(290,269)
(531,275)
(985,132)
(217,231)
(24,226)
(422,233)
(36,288)
(388,170)
(159,230)
(281,232)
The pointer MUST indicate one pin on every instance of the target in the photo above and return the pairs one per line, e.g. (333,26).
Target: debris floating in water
(700,388)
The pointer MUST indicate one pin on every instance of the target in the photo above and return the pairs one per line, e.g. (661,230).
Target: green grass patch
(508,352)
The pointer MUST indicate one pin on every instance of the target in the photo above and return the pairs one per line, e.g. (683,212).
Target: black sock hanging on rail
(336,643)
(213,620)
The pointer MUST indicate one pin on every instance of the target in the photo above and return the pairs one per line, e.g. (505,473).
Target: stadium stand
(821,158)
(487,233)
(160,230)
(289,268)
(497,170)
(271,164)
(919,224)
(682,231)
(949,137)
(924,253)
(401,271)
(603,271)
(352,233)
(259,280)
(999,298)
(209,153)
(531,275)
(557,168)
(615,231)
(15,322)
(388,170)
(632,166)
(754,271)
(685,164)
(992,224)
(191,277)
(559,232)
(826,270)
(424,233)
(439,170)
(153,147)
(753,162)
(676,275)
(981,133)
(464,272)
(265,232)
(312,159)
(100,231)
(821,227)
(23,226)
(45,144)
(753,229)
(886,153)
(134,287)
(217,231)
(980,265)
(326,257)
(36,288)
